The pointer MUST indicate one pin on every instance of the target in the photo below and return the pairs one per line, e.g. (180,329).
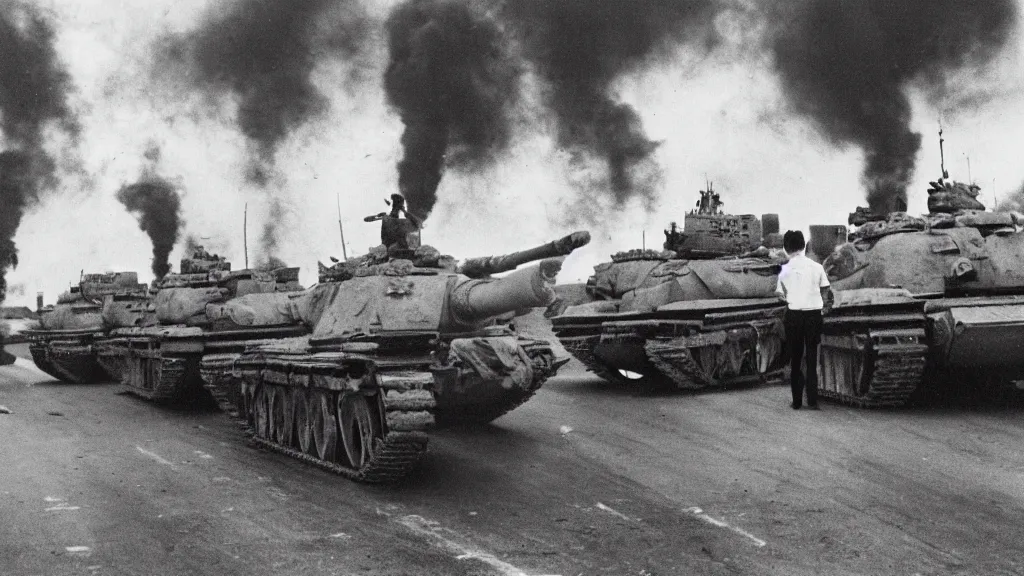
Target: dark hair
(793,241)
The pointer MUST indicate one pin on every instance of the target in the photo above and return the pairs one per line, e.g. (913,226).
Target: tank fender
(941,331)
(493,358)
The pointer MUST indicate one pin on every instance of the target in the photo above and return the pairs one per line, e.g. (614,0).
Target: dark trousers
(803,334)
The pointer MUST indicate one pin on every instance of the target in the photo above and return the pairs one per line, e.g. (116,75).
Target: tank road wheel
(303,421)
(261,409)
(360,427)
(282,417)
(325,426)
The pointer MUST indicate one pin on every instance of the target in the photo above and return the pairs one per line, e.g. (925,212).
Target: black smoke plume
(453,84)
(847,65)
(580,48)
(156,203)
(33,95)
(262,53)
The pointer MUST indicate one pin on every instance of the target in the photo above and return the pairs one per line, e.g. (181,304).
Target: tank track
(215,371)
(893,367)
(677,364)
(42,361)
(408,412)
(74,364)
(582,348)
(171,382)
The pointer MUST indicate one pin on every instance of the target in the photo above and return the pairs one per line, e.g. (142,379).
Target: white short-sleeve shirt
(800,283)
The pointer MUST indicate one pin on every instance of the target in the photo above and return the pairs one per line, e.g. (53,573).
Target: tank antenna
(942,154)
(344,252)
(245,235)
(643,239)
(969,178)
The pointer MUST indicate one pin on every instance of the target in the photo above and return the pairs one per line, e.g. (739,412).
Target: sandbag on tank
(185,305)
(255,310)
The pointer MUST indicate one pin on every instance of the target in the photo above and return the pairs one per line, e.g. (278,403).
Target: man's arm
(827,298)
(780,289)
(414,219)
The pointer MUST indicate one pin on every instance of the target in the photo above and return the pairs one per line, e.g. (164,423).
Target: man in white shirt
(804,286)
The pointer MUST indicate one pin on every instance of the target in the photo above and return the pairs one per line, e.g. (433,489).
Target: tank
(400,342)
(155,352)
(700,314)
(64,346)
(925,305)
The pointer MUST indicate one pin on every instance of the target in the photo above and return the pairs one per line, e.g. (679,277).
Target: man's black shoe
(813,407)
(794,406)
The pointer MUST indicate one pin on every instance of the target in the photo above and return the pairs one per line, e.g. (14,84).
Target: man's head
(397,204)
(793,241)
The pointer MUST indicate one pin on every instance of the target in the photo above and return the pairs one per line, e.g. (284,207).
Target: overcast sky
(720,116)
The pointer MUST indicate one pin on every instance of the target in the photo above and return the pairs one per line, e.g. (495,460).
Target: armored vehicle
(157,357)
(925,305)
(64,346)
(702,313)
(401,341)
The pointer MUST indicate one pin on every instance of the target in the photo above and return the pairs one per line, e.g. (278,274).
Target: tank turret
(708,232)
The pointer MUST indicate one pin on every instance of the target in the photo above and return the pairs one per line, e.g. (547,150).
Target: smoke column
(157,205)
(33,96)
(580,48)
(453,84)
(263,53)
(269,240)
(847,66)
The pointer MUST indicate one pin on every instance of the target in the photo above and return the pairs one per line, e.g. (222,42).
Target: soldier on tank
(395,230)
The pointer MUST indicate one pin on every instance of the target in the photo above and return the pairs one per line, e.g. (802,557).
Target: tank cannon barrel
(477,300)
(487,265)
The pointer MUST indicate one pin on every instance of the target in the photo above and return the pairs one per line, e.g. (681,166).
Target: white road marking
(75,549)
(722,524)
(53,499)
(432,530)
(203,454)
(156,457)
(341,535)
(612,511)
(60,507)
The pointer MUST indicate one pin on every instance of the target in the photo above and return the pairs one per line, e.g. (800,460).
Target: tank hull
(67,355)
(889,353)
(162,364)
(364,409)
(689,345)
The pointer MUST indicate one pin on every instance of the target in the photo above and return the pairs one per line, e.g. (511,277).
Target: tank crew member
(394,229)
(804,286)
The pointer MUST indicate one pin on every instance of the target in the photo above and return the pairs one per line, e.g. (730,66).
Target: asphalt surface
(583,479)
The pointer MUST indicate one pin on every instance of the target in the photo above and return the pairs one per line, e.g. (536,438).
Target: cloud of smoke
(847,67)
(580,49)
(262,53)
(453,83)
(33,96)
(156,202)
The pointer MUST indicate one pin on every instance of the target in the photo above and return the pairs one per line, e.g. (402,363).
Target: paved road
(583,479)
